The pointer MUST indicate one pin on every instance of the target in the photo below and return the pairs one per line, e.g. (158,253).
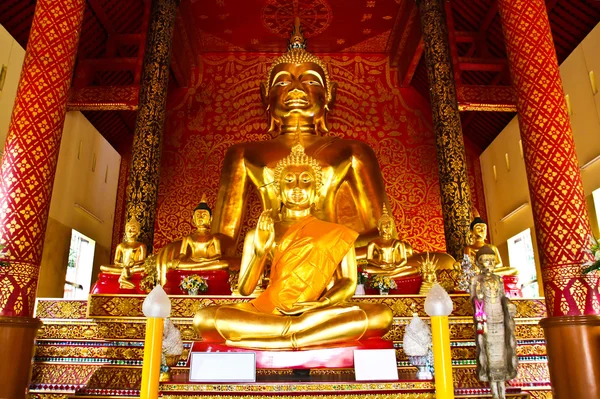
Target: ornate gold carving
(454,181)
(60,309)
(127,306)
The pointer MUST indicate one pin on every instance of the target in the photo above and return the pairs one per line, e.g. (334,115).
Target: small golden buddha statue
(298,94)
(313,275)
(129,256)
(198,251)
(494,324)
(478,236)
(387,255)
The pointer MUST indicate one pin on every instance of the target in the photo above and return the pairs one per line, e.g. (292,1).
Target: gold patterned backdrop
(222,107)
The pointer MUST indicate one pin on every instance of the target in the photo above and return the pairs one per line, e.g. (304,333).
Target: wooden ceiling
(113,34)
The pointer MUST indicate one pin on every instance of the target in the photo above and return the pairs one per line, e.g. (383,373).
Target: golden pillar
(557,200)
(28,169)
(142,188)
(454,182)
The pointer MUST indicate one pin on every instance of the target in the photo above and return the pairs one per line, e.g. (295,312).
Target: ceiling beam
(109,64)
(485,98)
(103,98)
(407,48)
(489,17)
(482,64)
(102,17)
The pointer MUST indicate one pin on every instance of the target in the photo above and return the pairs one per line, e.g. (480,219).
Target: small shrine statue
(428,273)
(198,251)
(298,94)
(417,344)
(387,255)
(313,275)
(129,256)
(494,324)
(478,236)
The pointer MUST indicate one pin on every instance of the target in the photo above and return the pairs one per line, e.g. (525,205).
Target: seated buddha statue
(478,236)
(386,255)
(198,251)
(313,274)
(129,256)
(298,94)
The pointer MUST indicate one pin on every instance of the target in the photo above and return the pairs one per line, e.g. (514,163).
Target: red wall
(222,107)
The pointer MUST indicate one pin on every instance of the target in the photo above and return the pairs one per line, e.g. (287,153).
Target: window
(596,197)
(79,266)
(521,257)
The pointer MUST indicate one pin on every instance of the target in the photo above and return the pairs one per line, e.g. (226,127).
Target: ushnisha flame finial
(385,216)
(297,54)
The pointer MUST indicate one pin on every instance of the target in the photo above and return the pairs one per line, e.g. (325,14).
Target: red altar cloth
(312,358)
(218,283)
(406,286)
(217,280)
(109,284)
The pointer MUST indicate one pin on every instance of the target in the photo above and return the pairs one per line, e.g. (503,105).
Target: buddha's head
(202,214)
(478,229)
(297,179)
(132,229)
(385,224)
(298,91)
(485,259)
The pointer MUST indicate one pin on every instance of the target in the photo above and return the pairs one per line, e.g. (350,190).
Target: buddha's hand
(301,307)
(264,236)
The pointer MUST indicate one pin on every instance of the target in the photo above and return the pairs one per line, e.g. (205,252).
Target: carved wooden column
(28,169)
(142,188)
(452,167)
(557,200)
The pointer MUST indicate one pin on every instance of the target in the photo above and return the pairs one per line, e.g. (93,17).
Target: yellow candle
(442,359)
(152,356)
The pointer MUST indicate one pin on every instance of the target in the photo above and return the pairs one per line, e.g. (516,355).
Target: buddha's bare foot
(124,283)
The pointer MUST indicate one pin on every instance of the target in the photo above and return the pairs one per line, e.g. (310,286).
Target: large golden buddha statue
(197,251)
(298,95)
(386,255)
(129,256)
(313,274)
(478,236)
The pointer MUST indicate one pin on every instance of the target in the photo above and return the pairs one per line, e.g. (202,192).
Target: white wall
(85,185)
(509,189)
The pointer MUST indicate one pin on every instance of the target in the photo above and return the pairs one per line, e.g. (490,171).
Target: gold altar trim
(291,387)
(341,395)
(183,306)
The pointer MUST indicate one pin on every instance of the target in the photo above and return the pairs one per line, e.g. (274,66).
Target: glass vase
(383,291)
(193,291)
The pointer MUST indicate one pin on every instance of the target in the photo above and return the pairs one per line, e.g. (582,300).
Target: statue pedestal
(311,358)
(511,287)
(217,280)
(109,284)
(406,286)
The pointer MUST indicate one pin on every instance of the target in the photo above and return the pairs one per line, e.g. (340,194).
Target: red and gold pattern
(557,197)
(222,107)
(110,98)
(485,98)
(184,306)
(32,145)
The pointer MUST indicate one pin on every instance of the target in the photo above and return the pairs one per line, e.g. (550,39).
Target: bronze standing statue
(495,325)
